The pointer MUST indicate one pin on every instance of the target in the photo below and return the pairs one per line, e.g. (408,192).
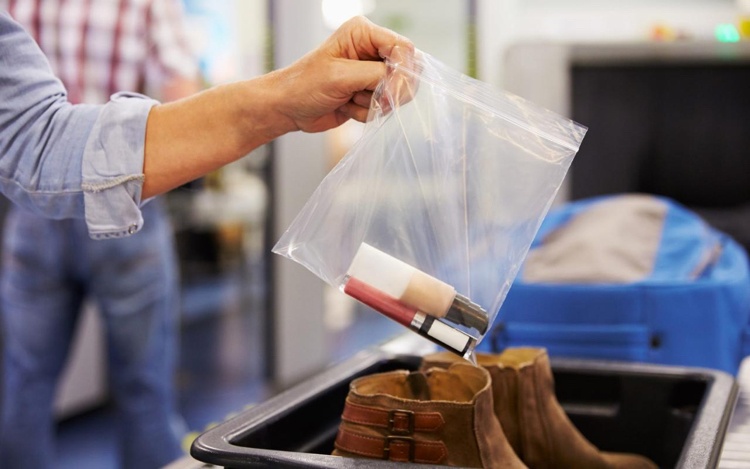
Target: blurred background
(663,85)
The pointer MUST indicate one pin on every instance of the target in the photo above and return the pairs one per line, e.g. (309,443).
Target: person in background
(50,267)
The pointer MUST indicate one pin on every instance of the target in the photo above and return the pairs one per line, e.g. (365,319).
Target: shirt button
(132,228)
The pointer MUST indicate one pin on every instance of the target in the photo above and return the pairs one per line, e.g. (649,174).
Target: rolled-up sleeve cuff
(113,167)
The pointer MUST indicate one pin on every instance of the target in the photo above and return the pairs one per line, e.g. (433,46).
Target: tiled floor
(220,366)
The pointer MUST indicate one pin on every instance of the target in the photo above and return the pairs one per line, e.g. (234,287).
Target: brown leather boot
(532,419)
(442,416)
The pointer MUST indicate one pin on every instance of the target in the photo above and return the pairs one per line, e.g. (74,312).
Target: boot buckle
(391,438)
(401,422)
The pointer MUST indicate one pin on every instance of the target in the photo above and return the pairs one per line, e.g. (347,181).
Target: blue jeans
(49,267)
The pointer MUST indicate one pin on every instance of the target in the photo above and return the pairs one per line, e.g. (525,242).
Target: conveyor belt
(736,451)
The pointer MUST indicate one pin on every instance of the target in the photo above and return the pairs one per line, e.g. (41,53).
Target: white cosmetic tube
(415,288)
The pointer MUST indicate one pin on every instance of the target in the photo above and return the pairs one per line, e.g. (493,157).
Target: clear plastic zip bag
(429,216)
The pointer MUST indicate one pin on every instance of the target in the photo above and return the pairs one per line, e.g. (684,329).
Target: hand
(334,83)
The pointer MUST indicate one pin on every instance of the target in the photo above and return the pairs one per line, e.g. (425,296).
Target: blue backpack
(630,277)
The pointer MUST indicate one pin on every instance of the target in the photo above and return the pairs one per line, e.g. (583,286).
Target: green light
(727,33)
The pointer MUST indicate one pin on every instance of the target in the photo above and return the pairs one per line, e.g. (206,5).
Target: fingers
(355,111)
(360,38)
(359,75)
(359,107)
(335,82)
(362,98)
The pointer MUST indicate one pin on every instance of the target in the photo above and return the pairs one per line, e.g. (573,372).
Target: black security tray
(676,416)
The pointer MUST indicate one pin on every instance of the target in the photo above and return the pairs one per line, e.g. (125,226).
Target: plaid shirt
(99,47)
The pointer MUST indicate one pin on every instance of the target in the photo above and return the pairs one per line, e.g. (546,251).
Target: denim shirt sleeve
(112,169)
(60,160)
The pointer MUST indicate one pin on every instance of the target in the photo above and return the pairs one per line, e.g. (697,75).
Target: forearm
(188,138)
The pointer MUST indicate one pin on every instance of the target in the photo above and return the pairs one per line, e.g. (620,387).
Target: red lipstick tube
(425,325)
